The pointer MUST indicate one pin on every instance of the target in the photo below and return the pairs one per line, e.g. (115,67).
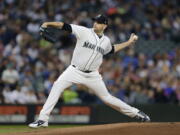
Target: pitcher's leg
(57,89)
(101,91)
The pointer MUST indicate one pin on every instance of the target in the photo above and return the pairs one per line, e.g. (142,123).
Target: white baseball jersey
(89,50)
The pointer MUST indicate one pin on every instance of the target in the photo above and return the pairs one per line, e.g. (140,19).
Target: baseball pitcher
(87,57)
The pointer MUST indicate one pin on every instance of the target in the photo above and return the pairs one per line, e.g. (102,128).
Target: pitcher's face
(98,27)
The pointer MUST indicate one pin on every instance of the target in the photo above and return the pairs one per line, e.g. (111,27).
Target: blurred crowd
(29,65)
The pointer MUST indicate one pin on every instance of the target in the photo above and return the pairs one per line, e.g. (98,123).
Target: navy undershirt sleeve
(67,27)
(112,50)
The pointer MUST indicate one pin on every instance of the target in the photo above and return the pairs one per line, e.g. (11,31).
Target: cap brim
(98,20)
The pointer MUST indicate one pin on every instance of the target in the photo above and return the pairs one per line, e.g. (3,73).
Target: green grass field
(24,128)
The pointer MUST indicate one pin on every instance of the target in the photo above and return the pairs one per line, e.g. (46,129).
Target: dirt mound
(113,129)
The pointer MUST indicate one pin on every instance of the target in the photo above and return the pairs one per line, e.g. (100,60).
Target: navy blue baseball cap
(102,19)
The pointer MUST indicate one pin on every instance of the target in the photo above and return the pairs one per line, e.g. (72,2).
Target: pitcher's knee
(106,99)
(59,82)
(59,85)
(56,83)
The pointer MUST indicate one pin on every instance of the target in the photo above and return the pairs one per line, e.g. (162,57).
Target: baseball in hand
(135,37)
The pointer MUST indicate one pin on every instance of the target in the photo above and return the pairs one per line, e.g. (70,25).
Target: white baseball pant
(92,80)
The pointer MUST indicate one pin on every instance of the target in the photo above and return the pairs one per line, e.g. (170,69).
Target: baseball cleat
(142,117)
(38,124)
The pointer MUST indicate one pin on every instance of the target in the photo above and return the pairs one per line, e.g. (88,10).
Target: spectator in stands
(10,76)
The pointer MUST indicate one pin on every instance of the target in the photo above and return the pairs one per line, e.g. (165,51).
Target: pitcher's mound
(115,129)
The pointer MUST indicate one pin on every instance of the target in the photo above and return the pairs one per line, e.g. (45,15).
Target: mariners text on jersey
(89,45)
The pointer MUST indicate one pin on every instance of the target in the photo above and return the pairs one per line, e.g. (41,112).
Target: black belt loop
(86,71)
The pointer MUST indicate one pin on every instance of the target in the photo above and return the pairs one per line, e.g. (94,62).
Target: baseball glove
(50,34)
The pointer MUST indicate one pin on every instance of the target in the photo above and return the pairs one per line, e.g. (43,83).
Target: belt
(86,71)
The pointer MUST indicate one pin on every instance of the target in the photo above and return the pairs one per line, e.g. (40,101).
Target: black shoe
(38,123)
(142,117)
